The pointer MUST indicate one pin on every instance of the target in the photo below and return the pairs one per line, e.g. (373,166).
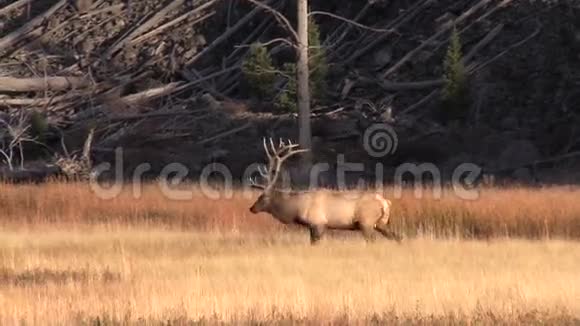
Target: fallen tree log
(176,21)
(481,44)
(15,5)
(152,93)
(9,40)
(227,34)
(55,84)
(407,16)
(133,99)
(45,102)
(150,23)
(466,14)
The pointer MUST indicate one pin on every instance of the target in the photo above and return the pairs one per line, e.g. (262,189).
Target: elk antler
(276,156)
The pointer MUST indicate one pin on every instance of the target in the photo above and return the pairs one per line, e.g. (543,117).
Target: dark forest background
(164,80)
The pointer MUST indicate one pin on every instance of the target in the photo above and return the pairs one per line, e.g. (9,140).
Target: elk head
(276,156)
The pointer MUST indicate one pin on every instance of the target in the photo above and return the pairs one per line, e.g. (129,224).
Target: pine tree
(316,60)
(455,92)
(259,72)
(318,67)
(286,100)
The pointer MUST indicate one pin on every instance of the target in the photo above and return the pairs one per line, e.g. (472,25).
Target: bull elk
(319,210)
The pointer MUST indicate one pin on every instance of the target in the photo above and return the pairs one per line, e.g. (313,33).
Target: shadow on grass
(45,276)
(479,318)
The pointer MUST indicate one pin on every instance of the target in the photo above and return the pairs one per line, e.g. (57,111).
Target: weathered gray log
(430,40)
(227,34)
(55,83)
(152,22)
(177,21)
(407,16)
(482,43)
(9,40)
(133,99)
(14,5)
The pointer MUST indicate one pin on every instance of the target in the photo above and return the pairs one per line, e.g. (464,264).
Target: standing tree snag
(300,43)
(302,71)
(303,77)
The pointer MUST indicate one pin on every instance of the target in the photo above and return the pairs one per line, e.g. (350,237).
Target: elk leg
(383,229)
(316,233)
(367,231)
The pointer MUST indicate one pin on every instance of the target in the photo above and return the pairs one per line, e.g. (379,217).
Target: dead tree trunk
(303,90)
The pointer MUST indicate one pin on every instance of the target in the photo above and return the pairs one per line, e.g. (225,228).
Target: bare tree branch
(352,22)
(270,42)
(17,134)
(340,32)
(278,17)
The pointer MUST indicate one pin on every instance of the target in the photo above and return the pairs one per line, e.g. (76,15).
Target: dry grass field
(532,213)
(67,257)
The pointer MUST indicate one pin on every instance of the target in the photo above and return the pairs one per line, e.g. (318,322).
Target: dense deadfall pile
(162,80)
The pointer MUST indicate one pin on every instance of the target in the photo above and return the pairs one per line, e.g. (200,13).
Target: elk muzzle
(260,205)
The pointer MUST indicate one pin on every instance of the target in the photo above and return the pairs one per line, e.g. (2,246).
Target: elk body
(320,210)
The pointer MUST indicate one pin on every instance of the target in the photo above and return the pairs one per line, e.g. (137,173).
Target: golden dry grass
(512,212)
(67,257)
(65,277)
